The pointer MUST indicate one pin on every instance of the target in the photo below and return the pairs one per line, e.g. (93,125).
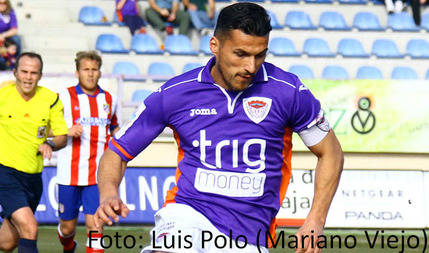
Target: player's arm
(56,143)
(328,171)
(110,173)
(120,4)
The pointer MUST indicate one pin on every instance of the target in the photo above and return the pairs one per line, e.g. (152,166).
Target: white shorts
(181,229)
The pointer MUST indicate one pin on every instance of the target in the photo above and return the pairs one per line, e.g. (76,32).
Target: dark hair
(8,42)
(31,55)
(250,18)
(92,55)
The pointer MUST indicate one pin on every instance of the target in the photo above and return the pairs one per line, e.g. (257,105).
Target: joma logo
(202,112)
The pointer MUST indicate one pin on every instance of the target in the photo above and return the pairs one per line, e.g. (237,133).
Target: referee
(27,113)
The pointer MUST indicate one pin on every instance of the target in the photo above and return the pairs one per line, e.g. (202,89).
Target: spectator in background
(128,12)
(8,23)
(8,53)
(415,6)
(201,12)
(162,11)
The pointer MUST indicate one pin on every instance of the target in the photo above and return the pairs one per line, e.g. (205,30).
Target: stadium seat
(254,1)
(179,45)
(140,95)
(319,1)
(299,20)
(190,66)
(93,15)
(367,21)
(418,48)
(404,73)
(332,20)
(335,72)
(351,48)
(285,1)
(145,44)
(205,45)
(369,72)
(378,2)
(401,22)
(315,47)
(110,43)
(280,46)
(160,71)
(116,19)
(353,1)
(425,21)
(274,21)
(302,71)
(128,70)
(385,48)
(427,75)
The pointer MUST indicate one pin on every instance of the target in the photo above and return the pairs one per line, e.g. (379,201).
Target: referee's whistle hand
(109,210)
(45,150)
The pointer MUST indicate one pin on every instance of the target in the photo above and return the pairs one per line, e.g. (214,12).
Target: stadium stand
(140,95)
(274,21)
(145,44)
(110,43)
(93,15)
(331,20)
(418,48)
(385,48)
(401,22)
(179,45)
(280,46)
(190,66)
(160,71)
(204,46)
(367,21)
(317,47)
(299,20)
(351,48)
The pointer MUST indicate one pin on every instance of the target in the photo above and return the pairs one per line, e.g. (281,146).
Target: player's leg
(90,201)
(8,236)
(68,210)
(25,223)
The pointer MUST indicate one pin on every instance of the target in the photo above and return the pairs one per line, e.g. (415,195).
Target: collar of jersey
(205,76)
(80,91)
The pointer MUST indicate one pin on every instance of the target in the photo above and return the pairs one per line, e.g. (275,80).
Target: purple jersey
(8,21)
(129,8)
(234,147)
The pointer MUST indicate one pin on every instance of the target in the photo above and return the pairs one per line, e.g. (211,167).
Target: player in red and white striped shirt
(90,114)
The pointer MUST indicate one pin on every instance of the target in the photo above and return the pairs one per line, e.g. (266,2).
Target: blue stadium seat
(93,15)
(335,72)
(128,70)
(332,20)
(378,2)
(179,45)
(315,47)
(110,43)
(190,66)
(425,21)
(116,19)
(254,1)
(402,22)
(319,1)
(140,95)
(427,75)
(353,1)
(274,21)
(351,48)
(418,48)
(404,73)
(280,46)
(145,44)
(299,20)
(285,1)
(205,45)
(369,72)
(160,71)
(385,48)
(367,21)
(302,71)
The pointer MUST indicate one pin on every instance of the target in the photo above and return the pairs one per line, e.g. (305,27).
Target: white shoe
(389,6)
(399,6)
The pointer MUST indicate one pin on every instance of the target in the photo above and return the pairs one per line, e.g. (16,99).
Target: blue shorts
(18,189)
(70,198)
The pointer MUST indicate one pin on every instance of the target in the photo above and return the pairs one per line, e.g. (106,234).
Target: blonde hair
(92,55)
(9,8)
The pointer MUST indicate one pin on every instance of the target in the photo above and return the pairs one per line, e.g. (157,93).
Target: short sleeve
(306,108)
(13,22)
(137,134)
(57,121)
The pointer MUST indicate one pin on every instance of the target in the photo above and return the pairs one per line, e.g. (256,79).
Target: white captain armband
(316,130)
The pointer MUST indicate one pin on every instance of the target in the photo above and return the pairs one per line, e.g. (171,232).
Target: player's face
(27,74)
(88,74)
(239,56)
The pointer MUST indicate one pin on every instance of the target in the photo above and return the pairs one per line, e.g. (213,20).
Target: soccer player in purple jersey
(233,125)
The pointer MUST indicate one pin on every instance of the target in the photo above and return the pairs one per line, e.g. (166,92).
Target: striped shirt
(78,161)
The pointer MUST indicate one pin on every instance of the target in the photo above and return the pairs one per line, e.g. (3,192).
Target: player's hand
(192,7)
(109,209)
(311,229)
(164,12)
(45,150)
(75,131)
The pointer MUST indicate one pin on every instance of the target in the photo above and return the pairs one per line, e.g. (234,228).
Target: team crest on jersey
(106,108)
(257,108)
(41,132)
